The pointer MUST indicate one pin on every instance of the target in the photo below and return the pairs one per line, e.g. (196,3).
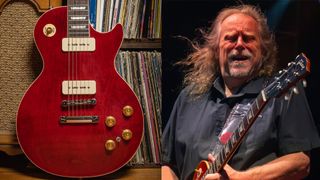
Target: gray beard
(240,74)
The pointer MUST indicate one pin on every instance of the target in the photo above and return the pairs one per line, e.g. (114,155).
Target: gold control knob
(127,111)
(110,145)
(110,121)
(126,134)
(49,30)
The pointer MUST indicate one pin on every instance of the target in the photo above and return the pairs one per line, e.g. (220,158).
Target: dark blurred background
(295,23)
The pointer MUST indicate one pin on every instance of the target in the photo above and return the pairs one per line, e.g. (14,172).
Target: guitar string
(76,52)
(83,58)
(84,105)
(69,62)
(73,60)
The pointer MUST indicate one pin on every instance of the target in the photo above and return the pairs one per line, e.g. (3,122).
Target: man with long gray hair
(229,70)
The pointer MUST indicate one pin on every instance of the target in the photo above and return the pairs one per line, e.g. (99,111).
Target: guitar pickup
(79,87)
(82,102)
(79,119)
(78,44)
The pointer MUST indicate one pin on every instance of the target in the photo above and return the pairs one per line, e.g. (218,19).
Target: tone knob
(126,134)
(110,121)
(110,145)
(127,111)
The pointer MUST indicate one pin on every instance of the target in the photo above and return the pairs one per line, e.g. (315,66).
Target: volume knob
(127,111)
(110,121)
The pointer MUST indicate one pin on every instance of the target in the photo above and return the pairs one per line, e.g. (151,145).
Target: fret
(262,99)
(241,128)
(250,114)
(246,121)
(257,102)
(78,27)
(228,146)
(78,2)
(223,155)
(78,19)
(254,108)
(78,8)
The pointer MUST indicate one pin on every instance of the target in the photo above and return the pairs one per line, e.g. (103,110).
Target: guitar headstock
(288,77)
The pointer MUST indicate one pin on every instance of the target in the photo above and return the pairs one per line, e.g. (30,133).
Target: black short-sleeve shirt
(284,126)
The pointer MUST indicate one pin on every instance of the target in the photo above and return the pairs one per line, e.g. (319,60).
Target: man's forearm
(291,166)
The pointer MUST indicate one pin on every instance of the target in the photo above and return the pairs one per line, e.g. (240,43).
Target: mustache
(236,55)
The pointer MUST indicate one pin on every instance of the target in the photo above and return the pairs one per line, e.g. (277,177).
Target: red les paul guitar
(79,118)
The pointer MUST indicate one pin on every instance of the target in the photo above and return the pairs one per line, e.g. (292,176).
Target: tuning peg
(304,83)
(295,90)
(287,96)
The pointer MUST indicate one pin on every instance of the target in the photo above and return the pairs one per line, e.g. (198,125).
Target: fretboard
(78,18)
(234,141)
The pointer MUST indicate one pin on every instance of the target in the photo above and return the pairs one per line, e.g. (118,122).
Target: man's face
(239,47)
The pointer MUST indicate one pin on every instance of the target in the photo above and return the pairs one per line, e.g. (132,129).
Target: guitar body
(74,149)
(201,170)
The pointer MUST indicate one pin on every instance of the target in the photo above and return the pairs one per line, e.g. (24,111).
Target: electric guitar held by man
(230,140)
(79,118)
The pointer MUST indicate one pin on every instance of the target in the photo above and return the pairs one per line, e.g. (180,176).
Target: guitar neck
(78,18)
(235,140)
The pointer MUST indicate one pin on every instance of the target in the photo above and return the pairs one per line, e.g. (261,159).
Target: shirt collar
(252,87)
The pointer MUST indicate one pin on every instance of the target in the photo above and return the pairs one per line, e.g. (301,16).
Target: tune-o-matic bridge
(81,102)
(78,119)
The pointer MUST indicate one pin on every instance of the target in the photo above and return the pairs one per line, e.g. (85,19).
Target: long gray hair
(203,62)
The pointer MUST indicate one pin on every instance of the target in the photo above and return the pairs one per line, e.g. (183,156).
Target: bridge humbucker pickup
(82,102)
(79,119)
